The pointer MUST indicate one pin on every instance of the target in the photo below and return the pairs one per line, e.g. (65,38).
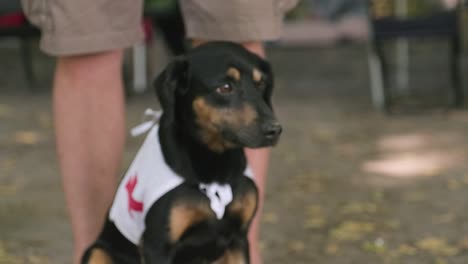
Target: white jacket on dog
(147,179)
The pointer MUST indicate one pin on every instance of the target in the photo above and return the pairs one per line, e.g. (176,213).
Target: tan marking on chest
(231,257)
(184,216)
(234,73)
(244,206)
(99,256)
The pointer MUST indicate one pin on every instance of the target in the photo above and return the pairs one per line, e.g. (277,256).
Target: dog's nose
(272,130)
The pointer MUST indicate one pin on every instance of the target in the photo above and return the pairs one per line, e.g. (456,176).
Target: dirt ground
(347,184)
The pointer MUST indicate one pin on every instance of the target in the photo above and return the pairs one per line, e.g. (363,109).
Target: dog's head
(220,94)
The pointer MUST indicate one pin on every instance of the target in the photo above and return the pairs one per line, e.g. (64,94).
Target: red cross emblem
(133,205)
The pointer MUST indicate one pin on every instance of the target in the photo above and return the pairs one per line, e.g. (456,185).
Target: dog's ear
(265,67)
(174,79)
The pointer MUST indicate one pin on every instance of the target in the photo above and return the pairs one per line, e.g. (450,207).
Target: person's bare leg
(258,161)
(90,133)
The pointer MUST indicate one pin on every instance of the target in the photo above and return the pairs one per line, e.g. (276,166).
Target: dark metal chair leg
(385,80)
(27,63)
(376,79)
(458,95)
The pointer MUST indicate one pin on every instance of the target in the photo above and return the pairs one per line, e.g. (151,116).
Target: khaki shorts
(71,27)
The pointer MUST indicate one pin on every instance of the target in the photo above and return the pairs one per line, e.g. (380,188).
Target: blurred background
(372,166)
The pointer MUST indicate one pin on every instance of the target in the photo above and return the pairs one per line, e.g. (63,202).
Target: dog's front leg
(151,256)
(96,255)
(186,235)
(238,254)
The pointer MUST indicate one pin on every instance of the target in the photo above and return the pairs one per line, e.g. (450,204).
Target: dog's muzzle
(271,132)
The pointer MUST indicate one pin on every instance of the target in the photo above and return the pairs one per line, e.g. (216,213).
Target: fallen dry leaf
(27,137)
(465,179)
(324,135)
(314,209)
(262,245)
(352,230)
(405,249)
(314,217)
(437,246)
(7,164)
(440,261)
(453,184)
(377,196)
(392,224)
(44,119)
(296,246)
(35,259)
(359,208)
(290,157)
(415,196)
(443,219)
(305,185)
(270,218)
(463,243)
(331,249)
(314,222)
(7,190)
(7,258)
(5,110)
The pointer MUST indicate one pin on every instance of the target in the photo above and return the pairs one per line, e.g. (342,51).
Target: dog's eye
(224,89)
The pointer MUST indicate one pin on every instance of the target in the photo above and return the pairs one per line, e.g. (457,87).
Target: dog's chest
(147,180)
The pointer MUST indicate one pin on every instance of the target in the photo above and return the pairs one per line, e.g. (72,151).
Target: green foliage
(415,8)
(159,5)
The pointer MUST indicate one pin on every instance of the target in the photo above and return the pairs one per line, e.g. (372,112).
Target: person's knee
(90,64)
(255,47)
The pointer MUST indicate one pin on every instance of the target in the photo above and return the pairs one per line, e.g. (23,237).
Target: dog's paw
(97,256)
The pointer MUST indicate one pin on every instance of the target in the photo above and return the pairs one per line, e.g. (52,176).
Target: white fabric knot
(220,195)
(150,118)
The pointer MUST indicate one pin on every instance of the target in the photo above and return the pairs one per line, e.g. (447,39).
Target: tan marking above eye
(234,73)
(184,216)
(257,75)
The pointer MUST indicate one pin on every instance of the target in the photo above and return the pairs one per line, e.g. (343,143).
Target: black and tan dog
(216,100)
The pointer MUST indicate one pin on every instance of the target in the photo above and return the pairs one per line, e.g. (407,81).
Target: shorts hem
(53,44)
(237,31)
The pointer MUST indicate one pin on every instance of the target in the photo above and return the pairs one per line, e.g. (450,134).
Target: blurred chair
(166,17)
(390,26)
(164,14)
(13,24)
